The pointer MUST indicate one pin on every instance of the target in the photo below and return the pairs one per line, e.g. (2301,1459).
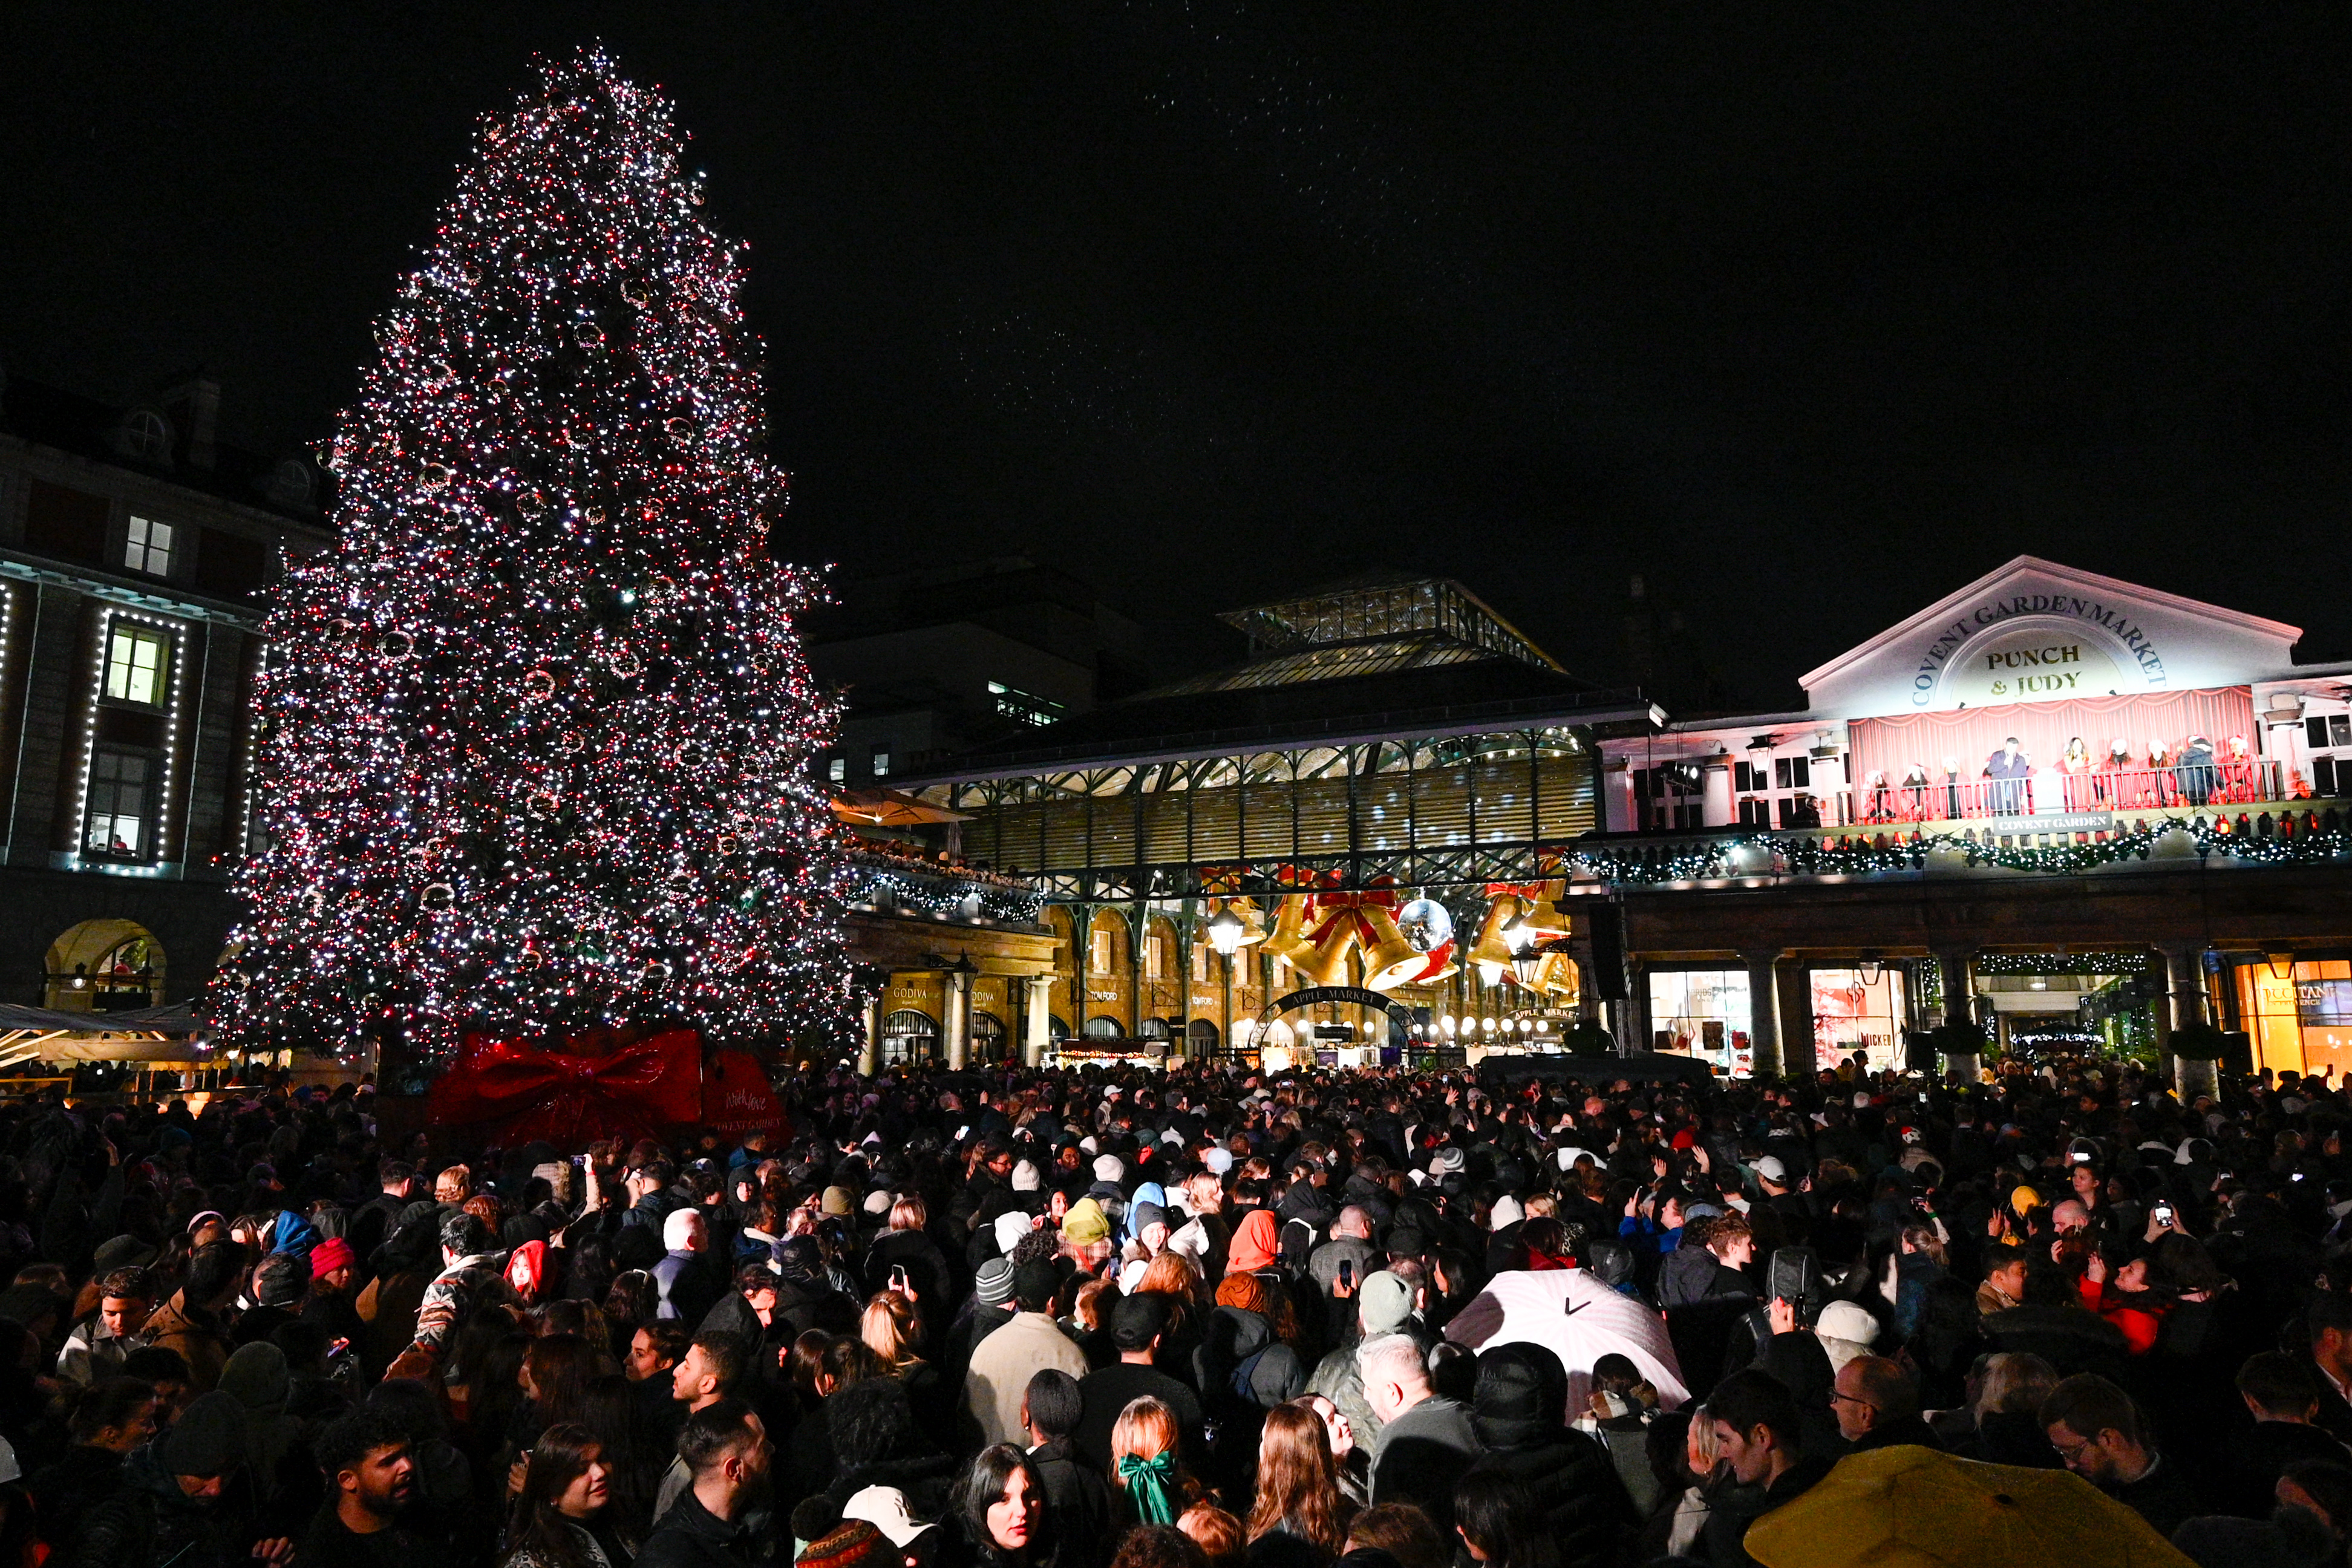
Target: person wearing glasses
(1876,1403)
(2097,1430)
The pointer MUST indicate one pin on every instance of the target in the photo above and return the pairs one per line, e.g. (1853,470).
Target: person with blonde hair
(1297,1483)
(1147,1483)
(2010,1387)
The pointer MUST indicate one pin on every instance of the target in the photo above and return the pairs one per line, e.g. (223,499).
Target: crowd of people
(1128,1319)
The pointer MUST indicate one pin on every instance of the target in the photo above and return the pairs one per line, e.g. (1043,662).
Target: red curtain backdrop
(515,1092)
(1891,745)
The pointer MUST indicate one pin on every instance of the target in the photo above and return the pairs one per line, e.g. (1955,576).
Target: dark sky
(1810,313)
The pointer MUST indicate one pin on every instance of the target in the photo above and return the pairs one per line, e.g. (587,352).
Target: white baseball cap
(886,1509)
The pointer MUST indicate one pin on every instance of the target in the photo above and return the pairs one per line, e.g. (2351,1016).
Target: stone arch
(104,964)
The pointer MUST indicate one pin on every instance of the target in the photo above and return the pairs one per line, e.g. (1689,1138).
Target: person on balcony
(2107,784)
(1915,787)
(2008,768)
(2075,765)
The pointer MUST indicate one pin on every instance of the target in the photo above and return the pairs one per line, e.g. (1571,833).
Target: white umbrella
(1578,1320)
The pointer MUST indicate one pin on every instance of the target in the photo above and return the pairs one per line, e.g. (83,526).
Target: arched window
(909,1036)
(1199,1038)
(989,1040)
(1101,1028)
(1056,1026)
(1154,1029)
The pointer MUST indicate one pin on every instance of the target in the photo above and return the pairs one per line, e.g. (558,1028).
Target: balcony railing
(2203,786)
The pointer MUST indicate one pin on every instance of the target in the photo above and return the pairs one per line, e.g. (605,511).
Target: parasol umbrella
(880,808)
(1918,1507)
(1577,1319)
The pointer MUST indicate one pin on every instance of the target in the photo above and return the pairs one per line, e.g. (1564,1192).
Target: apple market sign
(2036,648)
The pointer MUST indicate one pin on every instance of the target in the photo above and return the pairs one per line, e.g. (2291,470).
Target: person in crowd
(1149,1482)
(2278,1393)
(1426,1440)
(371,1480)
(1565,1476)
(1299,1485)
(191,1322)
(1500,1523)
(1001,1512)
(97,1346)
(109,1420)
(560,1518)
(1760,1436)
(2096,1429)
(1078,1496)
(1001,1364)
(726,1451)
(172,1509)
(1876,1402)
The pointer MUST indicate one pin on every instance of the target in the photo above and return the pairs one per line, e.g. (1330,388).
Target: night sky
(1810,314)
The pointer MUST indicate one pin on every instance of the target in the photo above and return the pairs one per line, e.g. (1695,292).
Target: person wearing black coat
(1077,1496)
(1519,1410)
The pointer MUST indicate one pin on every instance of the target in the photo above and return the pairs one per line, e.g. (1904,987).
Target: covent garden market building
(2055,805)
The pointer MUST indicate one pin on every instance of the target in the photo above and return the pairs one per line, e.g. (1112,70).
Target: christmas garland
(1763,855)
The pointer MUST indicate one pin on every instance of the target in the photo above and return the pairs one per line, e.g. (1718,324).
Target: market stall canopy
(889,808)
(165,1033)
(1916,1506)
(1573,1315)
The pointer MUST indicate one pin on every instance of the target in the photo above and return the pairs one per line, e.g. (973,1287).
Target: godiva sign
(2045,659)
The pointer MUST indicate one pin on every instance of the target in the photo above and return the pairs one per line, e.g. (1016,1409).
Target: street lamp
(1226,929)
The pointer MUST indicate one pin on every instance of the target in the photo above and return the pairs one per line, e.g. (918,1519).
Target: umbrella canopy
(889,808)
(1578,1320)
(1912,1508)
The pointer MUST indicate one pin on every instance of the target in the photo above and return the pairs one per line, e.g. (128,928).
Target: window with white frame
(115,823)
(147,547)
(135,660)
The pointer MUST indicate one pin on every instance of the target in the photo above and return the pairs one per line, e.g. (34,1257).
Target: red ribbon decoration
(632,1092)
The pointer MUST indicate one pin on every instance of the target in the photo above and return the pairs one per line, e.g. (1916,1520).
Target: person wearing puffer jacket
(1518,1409)
(1243,1369)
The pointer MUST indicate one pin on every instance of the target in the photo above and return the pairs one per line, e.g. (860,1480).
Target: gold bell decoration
(1490,952)
(1541,919)
(1389,960)
(1253,922)
(1288,938)
(1325,963)
(1556,976)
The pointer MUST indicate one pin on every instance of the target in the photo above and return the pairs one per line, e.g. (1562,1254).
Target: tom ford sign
(1973,660)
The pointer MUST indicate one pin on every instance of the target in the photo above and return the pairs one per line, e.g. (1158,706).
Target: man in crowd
(1876,1403)
(372,1480)
(725,1449)
(1002,1363)
(1426,1441)
(2095,1430)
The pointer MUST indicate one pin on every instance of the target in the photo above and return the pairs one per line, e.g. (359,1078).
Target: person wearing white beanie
(1506,1214)
(1026,1178)
(1011,1226)
(1110,1168)
(1845,1331)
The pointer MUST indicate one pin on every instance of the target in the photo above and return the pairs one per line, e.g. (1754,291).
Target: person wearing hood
(285,1483)
(1517,1410)
(1256,1244)
(175,1506)
(805,1297)
(279,1283)
(1243,1367)
(404,1267)
(1304,1214)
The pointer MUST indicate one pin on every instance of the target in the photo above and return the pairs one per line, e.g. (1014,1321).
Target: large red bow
(630,1092)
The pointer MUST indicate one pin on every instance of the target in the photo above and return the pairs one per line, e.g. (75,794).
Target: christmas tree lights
(535,732)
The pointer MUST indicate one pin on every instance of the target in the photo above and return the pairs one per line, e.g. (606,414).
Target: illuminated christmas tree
(536,732)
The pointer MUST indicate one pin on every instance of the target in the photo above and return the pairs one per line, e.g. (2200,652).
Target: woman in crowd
(1000,1513)
(1297,1483)
(1147,1486)
(559,1518)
